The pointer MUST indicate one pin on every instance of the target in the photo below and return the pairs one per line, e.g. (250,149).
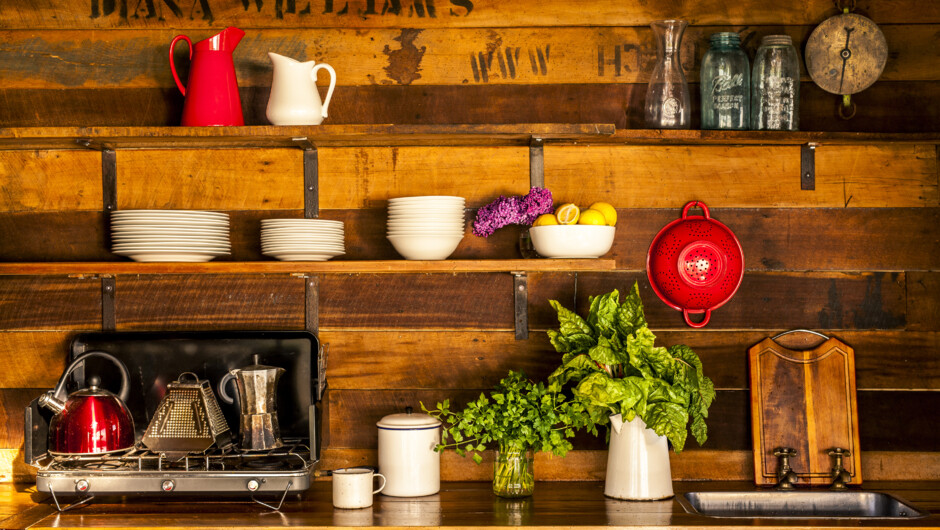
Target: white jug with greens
(637,462)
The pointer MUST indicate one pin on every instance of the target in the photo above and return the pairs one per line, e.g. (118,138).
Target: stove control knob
(168,485)
(81,485)
(253,485)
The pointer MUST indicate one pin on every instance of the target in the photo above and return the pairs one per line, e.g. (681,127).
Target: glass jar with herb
(775,85)
(513,472)
(725,83)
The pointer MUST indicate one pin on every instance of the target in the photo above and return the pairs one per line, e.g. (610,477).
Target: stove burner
(94,465)
(265,463)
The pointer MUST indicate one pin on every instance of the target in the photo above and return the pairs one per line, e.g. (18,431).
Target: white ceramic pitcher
(294,98)
(637,462)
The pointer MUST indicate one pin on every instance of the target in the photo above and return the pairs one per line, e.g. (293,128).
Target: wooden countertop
(458,505)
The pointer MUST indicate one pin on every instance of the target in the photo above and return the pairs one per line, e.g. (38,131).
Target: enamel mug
(352,487)
(406,454)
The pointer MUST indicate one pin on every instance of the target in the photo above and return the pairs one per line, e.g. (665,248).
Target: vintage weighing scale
(845,55)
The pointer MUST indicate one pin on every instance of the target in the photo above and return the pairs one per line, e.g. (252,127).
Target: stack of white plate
(426,228)
(302,239)
(170,235)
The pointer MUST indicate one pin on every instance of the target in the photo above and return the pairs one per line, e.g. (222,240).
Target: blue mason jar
(725,83)
(775,85)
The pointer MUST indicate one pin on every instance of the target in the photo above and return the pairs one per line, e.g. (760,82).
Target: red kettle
(91,420)
(212,92)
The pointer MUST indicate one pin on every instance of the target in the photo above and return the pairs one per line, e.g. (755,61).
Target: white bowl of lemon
(575,233)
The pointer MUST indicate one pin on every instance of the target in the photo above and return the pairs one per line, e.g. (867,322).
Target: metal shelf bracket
(536,163)
(520,292)
(311,177)
(808,166)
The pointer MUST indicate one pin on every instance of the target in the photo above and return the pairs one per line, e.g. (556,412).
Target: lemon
(545,219)
(610,213)
(592,217)
(567,214)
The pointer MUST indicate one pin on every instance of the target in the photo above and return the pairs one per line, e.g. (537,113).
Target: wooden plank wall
(857,257)
(431,61)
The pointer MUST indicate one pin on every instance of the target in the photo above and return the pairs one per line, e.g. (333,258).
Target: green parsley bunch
(518,415)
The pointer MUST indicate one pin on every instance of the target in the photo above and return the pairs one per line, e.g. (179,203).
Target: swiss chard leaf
(569,322)
(603,313)
(630,316)
(669,420)
(606,353)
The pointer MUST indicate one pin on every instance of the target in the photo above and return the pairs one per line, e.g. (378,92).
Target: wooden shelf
(294,136)
(415,135)
(698,137)
(313,267)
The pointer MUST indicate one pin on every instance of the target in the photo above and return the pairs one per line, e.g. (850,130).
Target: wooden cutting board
(803,398)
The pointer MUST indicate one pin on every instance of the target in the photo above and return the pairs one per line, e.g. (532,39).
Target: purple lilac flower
(512,210)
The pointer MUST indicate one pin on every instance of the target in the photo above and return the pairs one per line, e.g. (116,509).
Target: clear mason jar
(775,85)
(513,474)
(725,84)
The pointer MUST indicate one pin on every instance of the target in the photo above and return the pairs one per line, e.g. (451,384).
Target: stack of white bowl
(426,228)
(302,239)
(170,235)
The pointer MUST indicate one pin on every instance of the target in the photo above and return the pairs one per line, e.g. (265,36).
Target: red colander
(695,264)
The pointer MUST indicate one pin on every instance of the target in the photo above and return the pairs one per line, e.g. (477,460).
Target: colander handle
(708,315)
(689,206)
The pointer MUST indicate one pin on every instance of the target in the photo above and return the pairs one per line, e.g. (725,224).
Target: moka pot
(257,400)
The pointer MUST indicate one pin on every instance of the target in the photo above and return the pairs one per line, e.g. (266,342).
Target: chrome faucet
(840,477)
(786,477)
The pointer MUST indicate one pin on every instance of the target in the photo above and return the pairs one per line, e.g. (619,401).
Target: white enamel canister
(406,454)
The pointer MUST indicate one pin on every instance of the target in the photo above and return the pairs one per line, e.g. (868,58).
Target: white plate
(170,247)
(301,256)
(302,231)
(171,243)
(170,223)
(301,248)
(184,257)
(311,241)
(164,237)
(304,237)
(126,214)
(168,250)
(301,222)
(147,230)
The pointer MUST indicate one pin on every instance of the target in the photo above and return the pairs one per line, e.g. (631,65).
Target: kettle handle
(223,395)
(59,392)
(176,39)
(329,92)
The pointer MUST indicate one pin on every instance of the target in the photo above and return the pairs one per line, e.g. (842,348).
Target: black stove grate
(291,457)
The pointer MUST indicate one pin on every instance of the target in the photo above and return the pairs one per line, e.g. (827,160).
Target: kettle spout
(49,401)
(227,39)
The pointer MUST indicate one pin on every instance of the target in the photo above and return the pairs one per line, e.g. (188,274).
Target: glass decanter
(668,104)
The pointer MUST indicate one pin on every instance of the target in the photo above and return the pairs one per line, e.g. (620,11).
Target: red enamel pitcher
(212,91)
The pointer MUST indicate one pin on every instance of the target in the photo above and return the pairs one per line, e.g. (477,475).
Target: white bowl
(572,241)
(425,247)
(427,218)
(444,199)
(433,226)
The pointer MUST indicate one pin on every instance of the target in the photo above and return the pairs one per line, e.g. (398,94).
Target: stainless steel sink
(798,504)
